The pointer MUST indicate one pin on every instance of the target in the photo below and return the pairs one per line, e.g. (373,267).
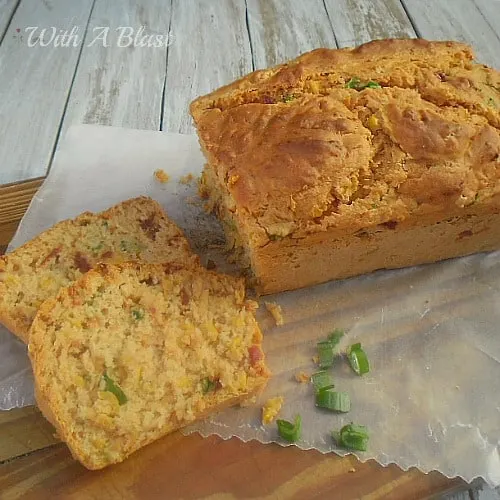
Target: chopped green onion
(98,247)
(325,354)
(352,436)
(208,385)
(114,388)
(138,314)
(288,431)
(332,400)
(358,359)
(288,97)
(335,336)
(355,83)
(131,246)
(321,380)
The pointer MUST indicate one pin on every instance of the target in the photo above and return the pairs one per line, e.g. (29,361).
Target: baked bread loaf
(131,352)
(135,229)
(346,161)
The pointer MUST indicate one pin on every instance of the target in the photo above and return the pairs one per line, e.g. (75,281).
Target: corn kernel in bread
(134,351)
(135,229)
(345,161)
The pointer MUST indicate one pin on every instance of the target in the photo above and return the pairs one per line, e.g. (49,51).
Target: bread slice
(131,352)
(134,229)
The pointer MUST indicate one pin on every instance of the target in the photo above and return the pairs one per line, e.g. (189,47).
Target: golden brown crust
(387,59)
(394,132)
(158,331)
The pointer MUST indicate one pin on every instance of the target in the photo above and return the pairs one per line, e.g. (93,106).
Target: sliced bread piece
(136,229)
(131,352)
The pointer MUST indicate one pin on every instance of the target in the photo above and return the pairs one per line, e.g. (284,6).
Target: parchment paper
(432,397)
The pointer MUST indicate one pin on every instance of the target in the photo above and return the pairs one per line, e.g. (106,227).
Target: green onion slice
(138,314)
(288,431)
(321,380)
(335,336)
(325,354)
(355,83)
(332,400)
(352,436)
(208,385)
(114,388)
(358,359)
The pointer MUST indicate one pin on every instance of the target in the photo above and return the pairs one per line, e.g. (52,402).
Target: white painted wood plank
(119,82)
(487,493)
(458,495)
(359,21)
(34,86)
(7,7)
(280,31)
(210,48)
(490,9)
(455,20)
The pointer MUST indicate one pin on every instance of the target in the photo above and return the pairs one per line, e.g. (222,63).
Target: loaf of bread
(131,352)
(342,162)
(136,229)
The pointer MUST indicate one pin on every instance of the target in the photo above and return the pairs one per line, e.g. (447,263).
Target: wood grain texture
(119,82)
(490,10)
(458,20)
(23,431)
(211,47)
(34,86)
(359,21)
(7,8)
(14,200)
(193,467)
(280,31)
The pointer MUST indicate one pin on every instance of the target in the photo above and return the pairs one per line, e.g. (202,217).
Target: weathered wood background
(43,90)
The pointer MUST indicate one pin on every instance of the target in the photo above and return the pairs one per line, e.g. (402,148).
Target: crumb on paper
(276,312)
(352,469)
(186,179)
(161,176)
(248,402)
(315,359)
(271,409)
(302,377)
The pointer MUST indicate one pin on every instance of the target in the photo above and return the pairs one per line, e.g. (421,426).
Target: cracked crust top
(299,151)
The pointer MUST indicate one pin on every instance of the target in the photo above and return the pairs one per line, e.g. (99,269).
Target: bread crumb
(248,402)
(271,409)
(303,377)
(161,176)
(276,312)
(186,179)
(315,359)
(352,469)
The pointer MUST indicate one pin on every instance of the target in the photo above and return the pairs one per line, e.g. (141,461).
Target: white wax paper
(432,397)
